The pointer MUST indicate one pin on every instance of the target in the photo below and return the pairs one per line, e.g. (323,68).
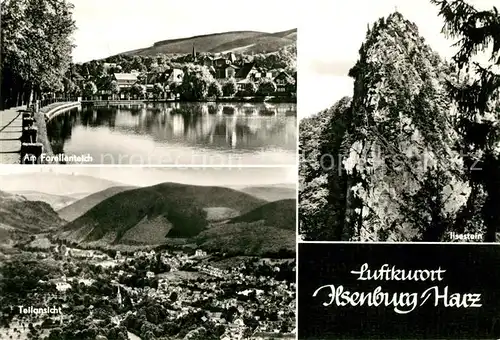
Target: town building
(282,81)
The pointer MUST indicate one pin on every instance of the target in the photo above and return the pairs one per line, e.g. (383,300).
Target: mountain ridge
(182,205)
(220,42)
(20,217)
(81,206)
(159,213)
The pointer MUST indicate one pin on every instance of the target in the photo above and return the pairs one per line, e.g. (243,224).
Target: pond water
(179,133)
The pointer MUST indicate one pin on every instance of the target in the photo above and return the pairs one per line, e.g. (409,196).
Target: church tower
(119,297)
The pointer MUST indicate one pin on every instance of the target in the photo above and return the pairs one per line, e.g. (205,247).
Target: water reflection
(257,133)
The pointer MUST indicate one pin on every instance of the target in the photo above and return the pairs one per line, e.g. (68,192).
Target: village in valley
(230,76)
(178,293)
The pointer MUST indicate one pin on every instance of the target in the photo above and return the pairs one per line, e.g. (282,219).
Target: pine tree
(477,95)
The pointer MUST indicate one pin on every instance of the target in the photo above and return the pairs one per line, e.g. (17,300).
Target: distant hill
(80,207)
(54,183)
(237,41)
(149,214)
(251,239)
(55,201)
(266,229)
(271,193)
(21,216)
(279,214)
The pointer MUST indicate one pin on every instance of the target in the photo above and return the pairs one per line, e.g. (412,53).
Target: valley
(166,261)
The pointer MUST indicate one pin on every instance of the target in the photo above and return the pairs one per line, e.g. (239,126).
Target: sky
(109,27)
(145,176)
(330,34)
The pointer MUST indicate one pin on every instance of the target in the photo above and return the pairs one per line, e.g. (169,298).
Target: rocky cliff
(396,173)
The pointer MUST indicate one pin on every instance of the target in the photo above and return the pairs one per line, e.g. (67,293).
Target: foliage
(158,90)
(215,89)
(230,88)
(285,58)
(138,90)
(89,89)
(70,87)
(195,83)
(267,87)
(322,182)
(36,44)
(477,95)
(115,89)
(250,89)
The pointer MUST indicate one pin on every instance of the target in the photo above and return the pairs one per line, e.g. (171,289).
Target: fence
(49,101)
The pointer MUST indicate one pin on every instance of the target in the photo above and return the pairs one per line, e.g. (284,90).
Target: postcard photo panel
(175,85)
(398,133)
(147,253)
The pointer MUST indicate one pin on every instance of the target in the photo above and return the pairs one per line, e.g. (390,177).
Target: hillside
(251,239)
(238,41)
(271,193)
(270,228)
(80,207)
(172,209)
(55,201)
(19,216)
(278,214)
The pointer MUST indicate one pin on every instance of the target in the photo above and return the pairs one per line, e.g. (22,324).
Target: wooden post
(28,122)
(29,135)
(31,152)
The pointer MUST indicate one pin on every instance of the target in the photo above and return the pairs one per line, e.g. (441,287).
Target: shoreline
(42,135)
(274,100)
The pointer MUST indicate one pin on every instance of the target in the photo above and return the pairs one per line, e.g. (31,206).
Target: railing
(48,101)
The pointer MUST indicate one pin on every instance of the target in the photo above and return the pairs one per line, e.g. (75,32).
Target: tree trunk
(350,214)
(491,213)
(29,96)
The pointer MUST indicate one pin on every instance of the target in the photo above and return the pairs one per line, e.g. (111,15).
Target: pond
(179,133)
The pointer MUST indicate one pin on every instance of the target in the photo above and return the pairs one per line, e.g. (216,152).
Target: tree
(290,85)
(250,89)
(89,89)
(115,89)
(36,47)
(138,64)
(477,96)
(230,88)
(70,87)
(195,83)
(215,90)
(158,90)
(267,87)
(139,90)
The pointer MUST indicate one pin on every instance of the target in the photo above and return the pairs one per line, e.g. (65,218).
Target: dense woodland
(36,48)
(414,154)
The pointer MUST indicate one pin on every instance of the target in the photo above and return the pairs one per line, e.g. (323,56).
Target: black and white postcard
(147,253)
